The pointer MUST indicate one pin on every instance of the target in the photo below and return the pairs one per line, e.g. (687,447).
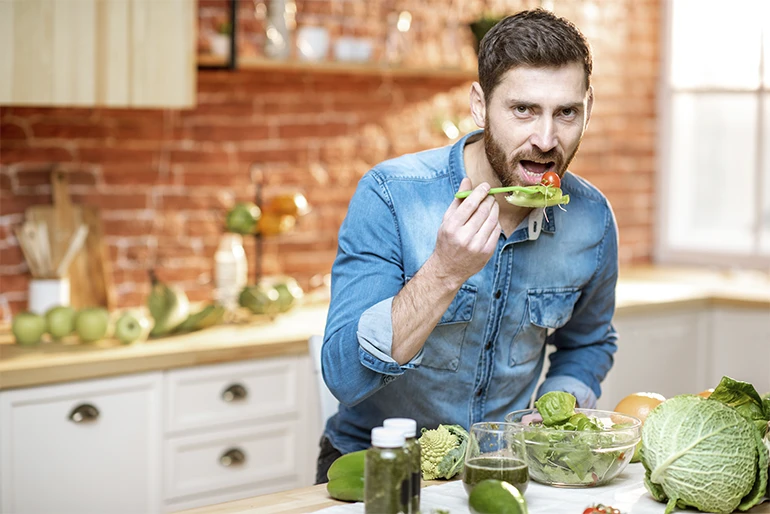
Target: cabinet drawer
(86,447)
(249,456)
(226,393)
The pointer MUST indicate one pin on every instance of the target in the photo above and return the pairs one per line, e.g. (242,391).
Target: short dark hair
(536,38)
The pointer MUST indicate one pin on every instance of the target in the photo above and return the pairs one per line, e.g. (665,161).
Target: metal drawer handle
(232,458)
(84,413)
(235,393)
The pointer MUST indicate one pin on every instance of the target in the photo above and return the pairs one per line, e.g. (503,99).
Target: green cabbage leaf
(703,453)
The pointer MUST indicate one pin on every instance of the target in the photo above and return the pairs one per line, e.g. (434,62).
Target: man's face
(535,121)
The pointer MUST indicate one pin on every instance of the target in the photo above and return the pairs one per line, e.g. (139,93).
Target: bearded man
(441,307)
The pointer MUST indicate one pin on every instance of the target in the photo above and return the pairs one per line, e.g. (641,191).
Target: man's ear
(589,104)
(478,105)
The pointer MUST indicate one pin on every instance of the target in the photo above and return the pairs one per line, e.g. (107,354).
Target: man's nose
(544,134)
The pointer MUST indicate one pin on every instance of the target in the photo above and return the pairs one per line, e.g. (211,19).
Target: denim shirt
(551,281)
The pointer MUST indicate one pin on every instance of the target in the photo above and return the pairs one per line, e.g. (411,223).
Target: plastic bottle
(231,269)
(409,428)
(387,473)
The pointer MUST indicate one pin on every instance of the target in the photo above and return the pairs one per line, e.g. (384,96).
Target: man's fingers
(465,185)
(477,219)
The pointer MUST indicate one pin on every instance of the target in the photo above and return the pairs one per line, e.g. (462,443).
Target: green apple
(61,321)
(28,328)
(131,327)
(91,324)
(289,291)
(243,218)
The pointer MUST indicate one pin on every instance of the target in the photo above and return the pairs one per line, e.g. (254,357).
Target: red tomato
(553,180)
(590,510)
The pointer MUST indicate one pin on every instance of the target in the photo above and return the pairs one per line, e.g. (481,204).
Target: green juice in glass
(507,469)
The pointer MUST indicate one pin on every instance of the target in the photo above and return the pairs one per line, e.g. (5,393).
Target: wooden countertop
(641,289)
(65,361)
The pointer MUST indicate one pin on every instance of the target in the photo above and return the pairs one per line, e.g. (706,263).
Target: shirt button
(498,293)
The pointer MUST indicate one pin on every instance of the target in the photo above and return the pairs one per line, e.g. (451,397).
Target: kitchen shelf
(346,68)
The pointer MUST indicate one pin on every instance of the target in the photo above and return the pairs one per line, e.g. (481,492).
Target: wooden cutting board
(90,272)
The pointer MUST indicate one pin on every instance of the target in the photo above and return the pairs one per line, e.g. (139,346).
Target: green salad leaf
(567,453)
(536,196)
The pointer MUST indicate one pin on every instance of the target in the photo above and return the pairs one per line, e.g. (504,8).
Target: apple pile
(88,324)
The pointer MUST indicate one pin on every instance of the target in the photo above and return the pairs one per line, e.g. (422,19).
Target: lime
(496,497)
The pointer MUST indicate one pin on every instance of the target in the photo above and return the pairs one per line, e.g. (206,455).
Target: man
(440,307)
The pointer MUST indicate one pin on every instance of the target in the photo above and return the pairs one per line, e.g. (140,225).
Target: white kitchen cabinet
(116,53)
(84,447)
(665,350)
(237,430)
(740,345)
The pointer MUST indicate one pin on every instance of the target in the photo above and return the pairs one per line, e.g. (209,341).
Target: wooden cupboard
(112,53)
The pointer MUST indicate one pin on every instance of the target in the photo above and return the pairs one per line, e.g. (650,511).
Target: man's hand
(468,235)
(466,240)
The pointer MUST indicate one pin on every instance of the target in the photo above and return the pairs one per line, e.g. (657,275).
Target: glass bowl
(570,458)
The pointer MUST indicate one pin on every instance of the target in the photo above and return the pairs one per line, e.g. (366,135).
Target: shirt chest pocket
(445,343)
(547,310)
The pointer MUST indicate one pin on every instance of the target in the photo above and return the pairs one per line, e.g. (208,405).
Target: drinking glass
(496,450)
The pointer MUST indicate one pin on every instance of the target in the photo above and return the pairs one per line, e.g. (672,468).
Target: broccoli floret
(442,451)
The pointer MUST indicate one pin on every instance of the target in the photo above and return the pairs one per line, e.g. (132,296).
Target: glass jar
(386,473)
(230,270)
(409,428)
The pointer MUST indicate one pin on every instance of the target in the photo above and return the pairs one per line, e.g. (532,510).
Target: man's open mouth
(533,171)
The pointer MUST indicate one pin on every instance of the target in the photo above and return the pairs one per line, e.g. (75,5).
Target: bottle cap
(387,437)
(406,425)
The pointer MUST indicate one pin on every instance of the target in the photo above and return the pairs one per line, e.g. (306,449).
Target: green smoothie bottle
(409,428)
(386,473)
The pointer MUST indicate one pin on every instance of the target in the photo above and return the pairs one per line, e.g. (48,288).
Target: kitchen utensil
(76,243)
(89,270)
(493,191)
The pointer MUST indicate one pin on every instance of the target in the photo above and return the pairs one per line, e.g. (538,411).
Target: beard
(505,167)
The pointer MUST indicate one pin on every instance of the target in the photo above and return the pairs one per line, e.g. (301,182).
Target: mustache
(537,155)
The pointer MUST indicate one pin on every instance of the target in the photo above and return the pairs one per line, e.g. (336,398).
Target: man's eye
(568,112)
(521,109)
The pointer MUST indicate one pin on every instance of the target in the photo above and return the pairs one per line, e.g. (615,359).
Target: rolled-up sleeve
(375,337)
(367,273)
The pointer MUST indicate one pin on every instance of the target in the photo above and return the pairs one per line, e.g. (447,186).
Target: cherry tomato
(551,179)
(601,509)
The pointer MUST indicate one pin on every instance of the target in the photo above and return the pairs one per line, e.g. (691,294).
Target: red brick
(199,156)
(127,201)
(48,130)
(103,155)
(9,131)
(22,153)
(14,283)
(11,256)
(131,227)
(17,203)
(321,130)
(139,175)
(177,202)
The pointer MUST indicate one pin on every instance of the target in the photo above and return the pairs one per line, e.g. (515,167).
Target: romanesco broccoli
(442,451)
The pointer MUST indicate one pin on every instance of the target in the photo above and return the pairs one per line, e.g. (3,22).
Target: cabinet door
(741,346)
(121,53)
(82,447)
(664,352)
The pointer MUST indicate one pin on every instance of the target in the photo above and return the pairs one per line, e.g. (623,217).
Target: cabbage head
(702,453)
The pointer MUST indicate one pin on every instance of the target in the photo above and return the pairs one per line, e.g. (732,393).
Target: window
(715,133)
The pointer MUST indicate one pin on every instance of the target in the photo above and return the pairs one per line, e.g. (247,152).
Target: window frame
(663,252)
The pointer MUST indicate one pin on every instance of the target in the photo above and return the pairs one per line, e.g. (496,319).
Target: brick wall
(164,179)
